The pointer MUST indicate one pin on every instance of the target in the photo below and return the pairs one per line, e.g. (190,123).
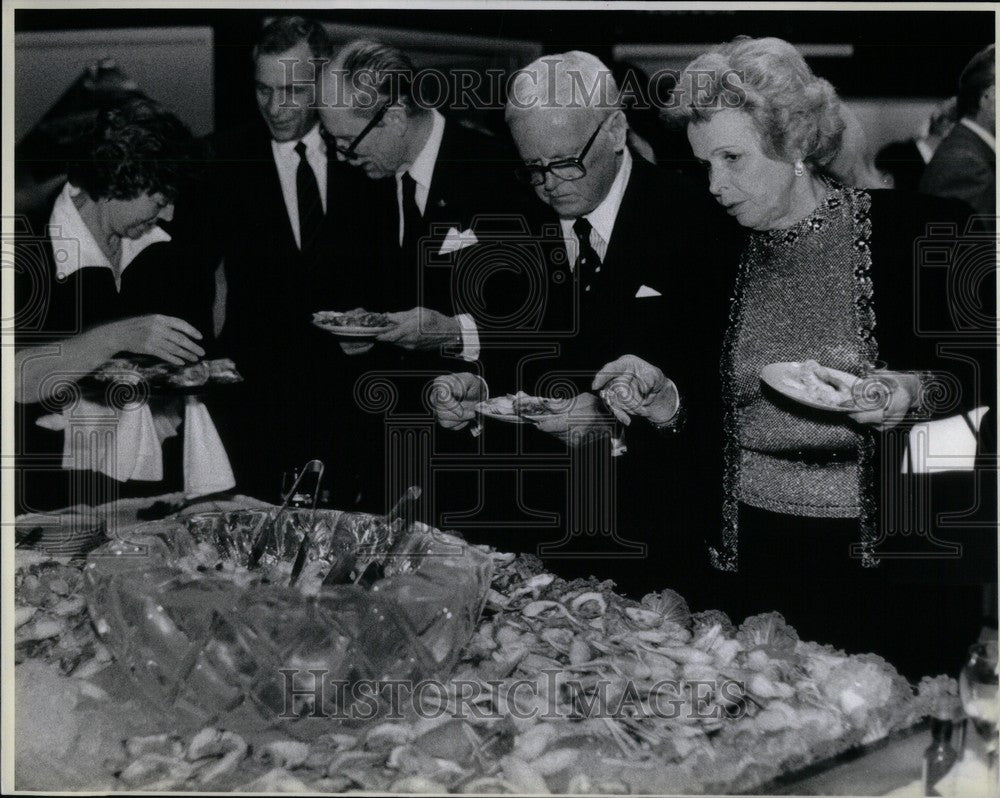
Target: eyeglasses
(349,151)
(566,169)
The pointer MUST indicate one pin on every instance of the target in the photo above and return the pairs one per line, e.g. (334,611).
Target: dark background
(896,54)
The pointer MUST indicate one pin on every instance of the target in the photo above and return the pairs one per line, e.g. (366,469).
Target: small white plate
(493,409)
(353,332)
(502,409)
(323,321)
(783,377)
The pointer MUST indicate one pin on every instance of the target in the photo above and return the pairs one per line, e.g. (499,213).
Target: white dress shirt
(602,218)
(602,224)
(926,150)
(74,246)
(287,161)
(980,131)
(422,172)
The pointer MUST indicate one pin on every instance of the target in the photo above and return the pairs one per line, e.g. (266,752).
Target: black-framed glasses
(566,169)
(349,151)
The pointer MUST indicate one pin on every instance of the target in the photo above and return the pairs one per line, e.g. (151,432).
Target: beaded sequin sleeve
(726,557)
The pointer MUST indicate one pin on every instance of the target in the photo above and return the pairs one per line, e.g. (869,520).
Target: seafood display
(202,627)
(813,385)
(814,382)
(353,324)
(558,686)
(221,371)
(521,405)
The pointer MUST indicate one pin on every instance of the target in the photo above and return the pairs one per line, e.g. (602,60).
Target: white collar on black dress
(74,246)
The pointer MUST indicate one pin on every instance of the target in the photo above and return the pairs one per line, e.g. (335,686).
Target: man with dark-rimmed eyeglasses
(635,309)
(439,176)
(432,180)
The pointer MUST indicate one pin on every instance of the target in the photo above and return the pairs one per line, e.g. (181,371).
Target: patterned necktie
(310,204)
(588,262)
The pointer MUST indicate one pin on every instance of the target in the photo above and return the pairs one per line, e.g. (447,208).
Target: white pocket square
(455,240)
(645,290)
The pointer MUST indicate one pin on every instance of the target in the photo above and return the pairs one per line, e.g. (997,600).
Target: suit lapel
(441,201)
(976,143)
(619,260)
(267,187)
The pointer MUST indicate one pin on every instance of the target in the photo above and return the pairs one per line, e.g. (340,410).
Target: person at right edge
(964,166)
(816,506)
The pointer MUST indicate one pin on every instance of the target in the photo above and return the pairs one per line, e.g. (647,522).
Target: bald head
(575,80)
(555,106)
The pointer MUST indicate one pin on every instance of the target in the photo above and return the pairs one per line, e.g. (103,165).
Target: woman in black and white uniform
(103,279)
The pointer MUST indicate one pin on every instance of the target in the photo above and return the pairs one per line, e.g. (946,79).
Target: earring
(800,169)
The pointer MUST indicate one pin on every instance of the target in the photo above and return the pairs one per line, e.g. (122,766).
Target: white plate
(346,331)
(488,410)
(353,332)
(780,375)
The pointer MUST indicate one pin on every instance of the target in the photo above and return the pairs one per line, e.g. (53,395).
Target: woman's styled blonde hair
(797,114)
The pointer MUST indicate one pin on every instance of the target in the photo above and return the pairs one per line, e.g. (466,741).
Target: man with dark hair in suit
(275,209)
(635,308)
(964,166)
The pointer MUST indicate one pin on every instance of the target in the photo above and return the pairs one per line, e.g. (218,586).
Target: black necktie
(411,213)
(310,204)
(588,262)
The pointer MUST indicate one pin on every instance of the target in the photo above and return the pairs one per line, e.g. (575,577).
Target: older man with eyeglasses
(636,303)
(432,181)
(439,178)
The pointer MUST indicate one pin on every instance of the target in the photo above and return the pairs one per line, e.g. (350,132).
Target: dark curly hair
(283,33)
(137,148)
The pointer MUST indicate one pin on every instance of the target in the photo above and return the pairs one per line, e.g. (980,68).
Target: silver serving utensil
(405,504)
(266,529)
(300,555)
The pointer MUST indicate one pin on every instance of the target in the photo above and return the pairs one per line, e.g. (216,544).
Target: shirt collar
(603,217)
(422,168)
(980,131)
(926,150)
(313,140)
(74,246)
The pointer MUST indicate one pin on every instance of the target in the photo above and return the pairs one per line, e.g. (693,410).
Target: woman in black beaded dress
(830,531)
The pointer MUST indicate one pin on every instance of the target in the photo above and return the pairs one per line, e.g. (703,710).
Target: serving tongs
(401,511)
(268,529)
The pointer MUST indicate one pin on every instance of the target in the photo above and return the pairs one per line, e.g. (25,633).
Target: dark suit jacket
(675,241)
(472,187)
(296,398)
(963,167)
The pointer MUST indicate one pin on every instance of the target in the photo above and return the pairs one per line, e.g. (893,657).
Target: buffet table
(561,687)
